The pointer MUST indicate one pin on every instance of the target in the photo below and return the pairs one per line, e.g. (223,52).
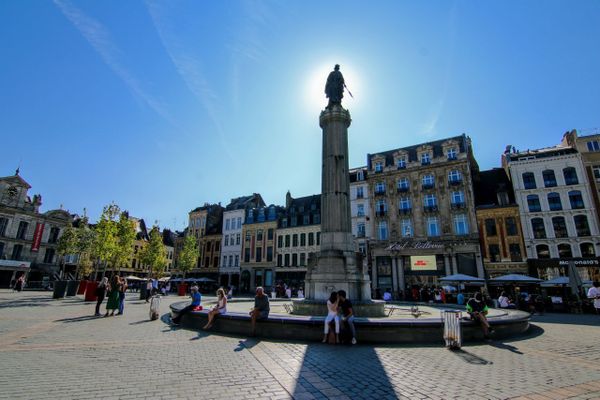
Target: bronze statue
(334,88)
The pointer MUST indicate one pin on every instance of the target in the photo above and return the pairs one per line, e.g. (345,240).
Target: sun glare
(315,86)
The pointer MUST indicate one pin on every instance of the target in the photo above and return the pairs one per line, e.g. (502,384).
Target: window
(224,261)
(279,260)
(16,253)
(432,227)
(294,260)
(381,207)
(360,192)
(239,223)
(401,162)
(529,180)
(587,250)
(284,223)
(22,230)
(430,201)
(3,225)
(318,238)
(49,256)
(246,255)
(539,231)
(237,260)
(427,181)
(360,176)
(295,240)
(494,252)
(270,233)
(286,260)
(461,227)
(360,229)
(560,227)
(593,145)
(581,225)
(230,261)
(404,203)
(403,184)
(380,188)
(303,239)
(302,259)
(511,226)
(458,198)
(227,224)
(208,247)
(554,201)
(564,250)
(258,254)
(490,227)
(454,176)
(53,238)
(576,200)
(542,250)
(533,202)
(238,238)
(248,235)
(287,240)
(549,178)
(451,153)
(226,241)
(259,235)
(425,159)
(406,227)
(570,176)
(379,166)
(317,218)
(269,253)
(383,231)
(515,252)
(360,210)
(311,239)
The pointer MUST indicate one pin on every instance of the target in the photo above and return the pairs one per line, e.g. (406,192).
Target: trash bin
(143,291)
(90,291)
(72,287)
(82,287)
(182,289)
(60,287)
(452,328)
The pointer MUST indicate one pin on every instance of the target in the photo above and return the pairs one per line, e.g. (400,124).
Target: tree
(85,242)
(124,241)
(189,255)
(67,244)
(105,238)
(154,254)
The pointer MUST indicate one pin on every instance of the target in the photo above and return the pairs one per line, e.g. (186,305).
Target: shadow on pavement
(140,322)
(504,346)
(470,358)
(78,319)
(570,319)
(246,344)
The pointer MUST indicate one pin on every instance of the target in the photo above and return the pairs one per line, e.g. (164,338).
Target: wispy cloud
(99,38)
(189,68)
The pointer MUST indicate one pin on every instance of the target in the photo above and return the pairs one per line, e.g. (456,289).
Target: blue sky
(162,106)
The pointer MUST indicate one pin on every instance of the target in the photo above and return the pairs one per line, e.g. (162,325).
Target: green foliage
(189,255)
(67,243)
(124,241)
(154,254)
(105,239)
(85,242)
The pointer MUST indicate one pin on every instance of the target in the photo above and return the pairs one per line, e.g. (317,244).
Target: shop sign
(564,262)
(37,237)
(415,244)
(423,263)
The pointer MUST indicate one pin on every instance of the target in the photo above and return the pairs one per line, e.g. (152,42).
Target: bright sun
(315,86)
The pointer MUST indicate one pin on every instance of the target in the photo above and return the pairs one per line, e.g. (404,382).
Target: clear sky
(162,106)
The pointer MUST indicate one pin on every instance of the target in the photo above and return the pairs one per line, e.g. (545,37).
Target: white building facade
(360,209)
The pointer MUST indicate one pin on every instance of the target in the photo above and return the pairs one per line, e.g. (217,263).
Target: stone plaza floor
(57,349)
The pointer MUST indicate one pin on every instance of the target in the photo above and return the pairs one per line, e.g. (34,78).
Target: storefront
(10,270)
(588,268)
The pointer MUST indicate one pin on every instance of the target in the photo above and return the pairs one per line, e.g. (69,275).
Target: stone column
(447,265)
(401,280)
(454,264)
(479,262)
(394,274)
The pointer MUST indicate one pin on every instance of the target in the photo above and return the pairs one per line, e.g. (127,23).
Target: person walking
(148,290)
(594,294)
(219,309)
(122,290)
(113,296)
(100,294)
(332,315)
(19,284)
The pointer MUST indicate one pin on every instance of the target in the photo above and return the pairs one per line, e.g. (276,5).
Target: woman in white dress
(219,308)
(332,315)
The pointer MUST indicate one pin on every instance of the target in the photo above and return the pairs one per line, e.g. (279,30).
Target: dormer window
(425,159)
(401,162)
(379,166)
(451,153)
(360,176)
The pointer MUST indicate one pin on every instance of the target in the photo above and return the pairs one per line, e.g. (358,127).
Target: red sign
(37,237)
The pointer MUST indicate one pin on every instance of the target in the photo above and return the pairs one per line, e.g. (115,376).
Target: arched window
(542,251)
(576,199)
(570,176)
(537,225)
(564,250)
(549,178)
(554,202)
(533,201)
(560,227)
(587,250)
(529,180)
(581,225)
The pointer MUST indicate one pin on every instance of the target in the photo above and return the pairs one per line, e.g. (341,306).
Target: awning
(13,265)
(461,278)
(514,278)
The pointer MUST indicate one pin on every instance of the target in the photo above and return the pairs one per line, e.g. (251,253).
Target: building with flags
(28,237)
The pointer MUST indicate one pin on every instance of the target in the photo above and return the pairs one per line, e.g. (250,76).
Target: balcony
(405,211)
(360,195)
(430,209)
(380,192)
(455,181)
(381,213)
(427,186)
(458,205)
(360,234)
(452,157)
(402,189)
(425,162)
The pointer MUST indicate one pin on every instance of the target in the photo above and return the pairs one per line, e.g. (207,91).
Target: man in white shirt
(594,293)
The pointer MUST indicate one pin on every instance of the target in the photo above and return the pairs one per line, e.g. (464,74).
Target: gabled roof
(243,202)
(16,180)
(488,184)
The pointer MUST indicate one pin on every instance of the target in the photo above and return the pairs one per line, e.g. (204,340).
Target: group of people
(19,284)
(338,304)
(114,290)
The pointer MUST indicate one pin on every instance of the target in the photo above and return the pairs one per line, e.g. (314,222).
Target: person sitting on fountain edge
(261,308)
(347,313)
(196,300)
(478,310)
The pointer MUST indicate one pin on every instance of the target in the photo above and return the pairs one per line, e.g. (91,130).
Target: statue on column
(334,88)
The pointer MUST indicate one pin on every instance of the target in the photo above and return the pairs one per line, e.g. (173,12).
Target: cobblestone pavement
(56,349)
